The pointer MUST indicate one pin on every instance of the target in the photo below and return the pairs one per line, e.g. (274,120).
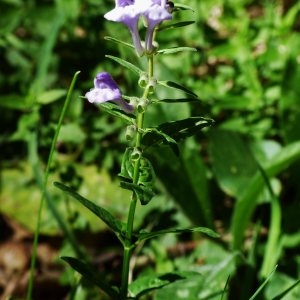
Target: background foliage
(240,177)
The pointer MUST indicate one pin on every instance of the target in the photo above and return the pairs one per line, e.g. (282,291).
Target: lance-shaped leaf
(175,25)
(174,85)
(261,287)
(179,7)
(92,276)
(148,235)
(100,212)
(178,100)
(176,50)
(112,39)
(115,110)
(175,131)
(125,64)
(161,134)
(184,128)
(155,137)
(143,193)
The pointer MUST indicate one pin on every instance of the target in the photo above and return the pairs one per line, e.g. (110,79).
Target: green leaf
(192,287)
(175,25)
(146,171)
(126,165)
(175,131)
(148,235)
(71,133)
(143,193)
(146,283)
(50,96)
(176,50)
(125,64)
(174,85)
(100,212)
(114,110)
(158,136)
(192,163)
(233,164)
(91,275)
(13,101)
(179,100)
(248,199)
(112,39)
(285,292)
(262,285)
(187,288)
(178,7)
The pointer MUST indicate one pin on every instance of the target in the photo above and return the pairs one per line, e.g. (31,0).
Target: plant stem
(128,243)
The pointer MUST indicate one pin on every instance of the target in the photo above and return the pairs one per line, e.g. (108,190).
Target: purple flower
(156,13)
(128,13)
(106,89)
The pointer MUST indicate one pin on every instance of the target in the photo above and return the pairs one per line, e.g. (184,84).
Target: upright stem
(128,243)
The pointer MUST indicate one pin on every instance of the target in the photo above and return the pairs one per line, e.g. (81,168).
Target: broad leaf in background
(192,287)
(193,164)
(282,286)
(100,212)
(232,161)
(175,175)
(50,96)
(147,283)
(247,200)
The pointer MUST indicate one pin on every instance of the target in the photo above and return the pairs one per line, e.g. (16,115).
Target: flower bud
(136,154)
(130,132)
(142,105)
(152,85)
(143,80)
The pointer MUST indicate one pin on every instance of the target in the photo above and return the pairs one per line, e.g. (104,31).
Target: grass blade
(262,285)
(33,156)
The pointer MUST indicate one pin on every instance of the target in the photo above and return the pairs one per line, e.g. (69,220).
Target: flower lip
(157,13)
(125,11)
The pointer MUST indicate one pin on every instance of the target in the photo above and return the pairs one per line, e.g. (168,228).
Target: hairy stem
(129,243)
